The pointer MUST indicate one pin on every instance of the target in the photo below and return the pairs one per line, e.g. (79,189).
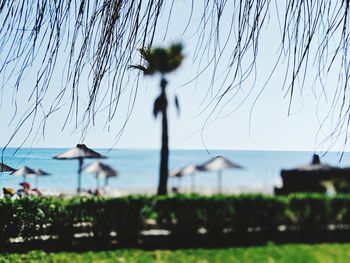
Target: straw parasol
(23,171)
(6,168)
(312,177)
(101,170)
(189,169)
(218,163)
(315,165)
(80,152)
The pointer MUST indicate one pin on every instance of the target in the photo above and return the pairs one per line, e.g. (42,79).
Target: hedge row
(182,215)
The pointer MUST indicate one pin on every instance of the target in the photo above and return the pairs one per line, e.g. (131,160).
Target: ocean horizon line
(182,149)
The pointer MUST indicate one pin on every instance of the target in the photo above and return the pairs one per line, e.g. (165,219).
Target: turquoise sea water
(138,169)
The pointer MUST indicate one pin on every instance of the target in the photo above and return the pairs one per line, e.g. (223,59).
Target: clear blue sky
(261,124)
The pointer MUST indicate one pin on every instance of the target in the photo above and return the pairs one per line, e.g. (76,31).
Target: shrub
(220,212)
(258,213)
(183,215)
(9,221)
(310,212)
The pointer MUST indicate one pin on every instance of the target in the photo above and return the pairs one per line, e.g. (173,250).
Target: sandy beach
(203,190)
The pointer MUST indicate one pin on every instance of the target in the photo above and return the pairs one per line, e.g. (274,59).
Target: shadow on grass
(170,242)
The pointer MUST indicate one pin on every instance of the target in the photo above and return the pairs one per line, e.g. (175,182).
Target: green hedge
(185,216)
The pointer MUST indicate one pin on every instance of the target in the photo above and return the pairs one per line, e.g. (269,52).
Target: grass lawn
(270,253)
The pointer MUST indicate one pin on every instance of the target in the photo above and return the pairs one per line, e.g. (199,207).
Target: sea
(138,170)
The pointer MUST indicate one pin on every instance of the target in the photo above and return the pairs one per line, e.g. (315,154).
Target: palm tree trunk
(164,154)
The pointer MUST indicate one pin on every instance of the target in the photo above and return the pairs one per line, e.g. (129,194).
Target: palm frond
(139,67)
(157,106)
(162,60)
(177,105)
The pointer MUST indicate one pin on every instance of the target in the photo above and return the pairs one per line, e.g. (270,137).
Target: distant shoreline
(200,189)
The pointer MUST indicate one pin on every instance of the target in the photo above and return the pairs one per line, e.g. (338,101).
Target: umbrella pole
(193,183)
(79,175)
(97,182)
(178,182)
(219,181)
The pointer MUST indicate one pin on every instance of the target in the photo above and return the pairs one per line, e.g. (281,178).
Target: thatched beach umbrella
(312,177)
(101,170)
(79,152)
(6,168)
(189,169)
(315,165)
(23,171)
(218,163)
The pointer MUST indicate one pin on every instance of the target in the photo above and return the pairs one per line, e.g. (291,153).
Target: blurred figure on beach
(27,191)
(24,191)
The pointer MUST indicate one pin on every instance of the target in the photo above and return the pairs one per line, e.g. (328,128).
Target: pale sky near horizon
(261,124)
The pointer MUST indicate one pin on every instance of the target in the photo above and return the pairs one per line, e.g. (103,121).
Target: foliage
(162,60)
(185,216)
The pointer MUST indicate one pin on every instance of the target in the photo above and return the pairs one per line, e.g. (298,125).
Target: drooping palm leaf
(177,105)
(159,104)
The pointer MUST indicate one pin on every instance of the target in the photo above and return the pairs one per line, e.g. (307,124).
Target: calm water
(138,169)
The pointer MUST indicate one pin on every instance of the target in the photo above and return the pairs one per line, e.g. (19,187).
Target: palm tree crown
(162,60)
